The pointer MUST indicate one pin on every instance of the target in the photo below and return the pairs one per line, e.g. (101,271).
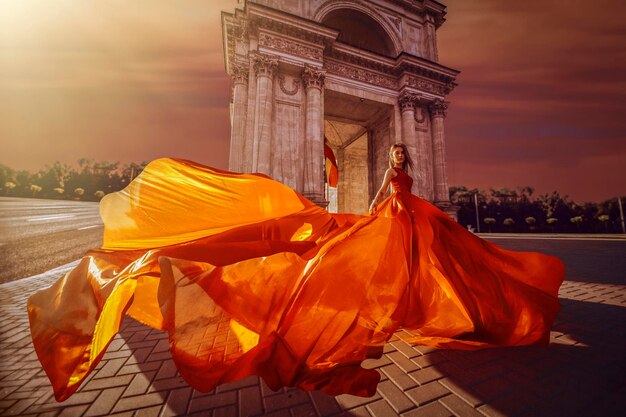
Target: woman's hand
(389,174)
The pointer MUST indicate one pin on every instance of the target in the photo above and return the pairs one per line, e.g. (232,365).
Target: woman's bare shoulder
(390,173)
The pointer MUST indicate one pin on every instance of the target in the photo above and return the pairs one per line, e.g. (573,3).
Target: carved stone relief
(295,85)
(288,46)
(360,74)
(431,87)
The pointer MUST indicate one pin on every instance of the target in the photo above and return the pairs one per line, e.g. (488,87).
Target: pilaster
(265,67)
(240,102)
(438,109)
(313,80)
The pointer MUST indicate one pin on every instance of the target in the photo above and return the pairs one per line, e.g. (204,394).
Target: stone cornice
(412,71)
(360,74)
(434,8)
(295,36)
(355,56)
(420,66)
(229,28)
(290,46)
(281,22)
(430,86)
(403,63)
(243,24)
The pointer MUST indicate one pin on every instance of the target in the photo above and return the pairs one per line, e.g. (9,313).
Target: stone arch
(383,37)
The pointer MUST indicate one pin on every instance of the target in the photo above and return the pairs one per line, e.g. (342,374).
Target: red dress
(250,278)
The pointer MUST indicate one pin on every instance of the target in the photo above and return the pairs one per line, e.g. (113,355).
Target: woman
(399,161)
(250,278)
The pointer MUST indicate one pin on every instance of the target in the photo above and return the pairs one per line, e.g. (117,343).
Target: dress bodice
(401,182)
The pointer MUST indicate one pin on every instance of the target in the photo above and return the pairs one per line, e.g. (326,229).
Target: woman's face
(397,155)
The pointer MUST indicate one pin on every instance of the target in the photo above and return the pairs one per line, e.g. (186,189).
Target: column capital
(438,108)
(408,101)
(239,74)
(313,77)
(265,65)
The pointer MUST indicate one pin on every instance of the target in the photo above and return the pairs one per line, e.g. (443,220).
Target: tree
(525,193)
(35,189)
(464,198)
(7,175)
(604,218)
(550,202)
(52,177)
(8,186)
(577,220)
(504,195)
(130,171)
(489,221)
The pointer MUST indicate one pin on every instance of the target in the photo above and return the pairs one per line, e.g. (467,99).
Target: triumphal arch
(355,75)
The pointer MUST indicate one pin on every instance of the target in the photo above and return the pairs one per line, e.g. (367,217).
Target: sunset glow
(540,101)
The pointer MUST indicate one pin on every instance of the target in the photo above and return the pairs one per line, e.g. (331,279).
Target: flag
(332,172)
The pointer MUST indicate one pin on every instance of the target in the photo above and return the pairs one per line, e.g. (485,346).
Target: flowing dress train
(250,278)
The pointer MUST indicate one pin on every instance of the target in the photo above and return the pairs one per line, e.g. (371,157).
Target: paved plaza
(582,372)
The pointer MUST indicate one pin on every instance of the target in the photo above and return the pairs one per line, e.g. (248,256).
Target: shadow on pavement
(563,379)
(156,377)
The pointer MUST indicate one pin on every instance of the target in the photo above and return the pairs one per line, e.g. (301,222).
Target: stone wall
(353,186)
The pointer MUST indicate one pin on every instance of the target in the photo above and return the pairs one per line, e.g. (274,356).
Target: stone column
(238,123)
(408,102)
(314,136)
(424,151)
(265,67)
(438,113)
(407,108)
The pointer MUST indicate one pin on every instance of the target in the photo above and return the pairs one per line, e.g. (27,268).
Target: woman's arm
(389,174)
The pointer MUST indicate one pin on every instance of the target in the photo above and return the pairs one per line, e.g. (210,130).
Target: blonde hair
(407,157)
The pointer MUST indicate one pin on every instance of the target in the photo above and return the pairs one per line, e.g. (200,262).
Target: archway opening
(349,143)
(350,130)
(361,31)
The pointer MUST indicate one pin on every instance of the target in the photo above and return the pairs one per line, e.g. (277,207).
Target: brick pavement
(581,373)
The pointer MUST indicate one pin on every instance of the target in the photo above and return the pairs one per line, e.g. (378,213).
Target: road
(37,235)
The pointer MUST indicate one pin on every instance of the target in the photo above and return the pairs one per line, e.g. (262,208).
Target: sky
(541,99)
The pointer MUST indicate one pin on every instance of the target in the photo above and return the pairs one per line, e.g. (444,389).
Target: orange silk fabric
(250,278)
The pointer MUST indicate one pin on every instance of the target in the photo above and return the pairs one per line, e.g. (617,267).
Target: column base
(317,198)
